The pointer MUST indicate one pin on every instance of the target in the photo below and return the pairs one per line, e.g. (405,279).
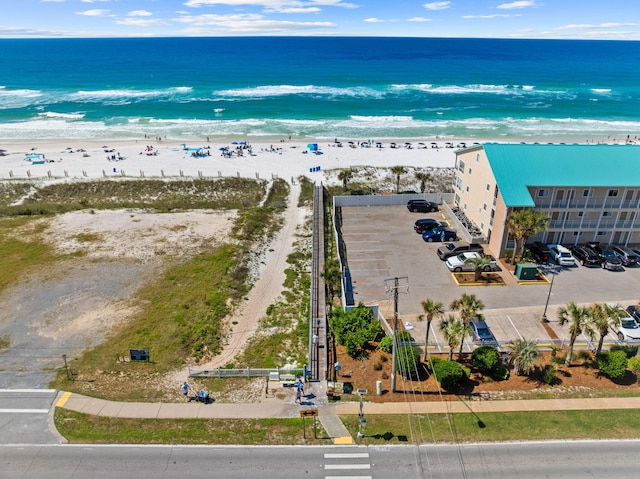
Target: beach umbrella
(243,142)
(234,142)
(223,148)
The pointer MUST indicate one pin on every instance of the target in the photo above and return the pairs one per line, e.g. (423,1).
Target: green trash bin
(526,271)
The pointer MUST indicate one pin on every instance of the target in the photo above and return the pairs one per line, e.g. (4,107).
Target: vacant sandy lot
(70,306)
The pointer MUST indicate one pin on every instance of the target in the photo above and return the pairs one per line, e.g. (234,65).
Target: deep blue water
(319,87)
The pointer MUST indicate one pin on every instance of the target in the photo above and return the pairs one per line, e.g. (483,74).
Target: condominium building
(590,192)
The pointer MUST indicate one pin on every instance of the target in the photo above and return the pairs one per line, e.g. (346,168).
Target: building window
(606,213)
(459,183)
(484,207)
(461,166)
(582,214)
(587,193)
(457,200)
(488,186)
(602,233)
(467,189)
(469,170)
(493,213)
(543,193)
(612,193)
(577,233)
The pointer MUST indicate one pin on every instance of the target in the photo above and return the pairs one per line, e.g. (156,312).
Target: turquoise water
(319,87)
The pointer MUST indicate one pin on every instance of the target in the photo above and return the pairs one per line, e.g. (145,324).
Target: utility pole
(394,357)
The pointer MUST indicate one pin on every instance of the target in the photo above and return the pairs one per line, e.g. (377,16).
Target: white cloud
(373,20)
(243,23)
(293,10)
(419,19)
(141,22)
(437,5)
(94,1)
(272,4)
(139,13)
(495,15)
(515,5)
(94,13)
(584,26)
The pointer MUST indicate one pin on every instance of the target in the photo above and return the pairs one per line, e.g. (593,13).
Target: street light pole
(544,314)
(394,352)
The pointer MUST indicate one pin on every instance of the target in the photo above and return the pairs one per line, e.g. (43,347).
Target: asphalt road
(558,460)
(24,417)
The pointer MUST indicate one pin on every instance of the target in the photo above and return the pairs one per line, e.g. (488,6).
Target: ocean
(312,87)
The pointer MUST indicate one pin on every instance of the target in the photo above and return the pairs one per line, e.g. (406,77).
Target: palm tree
(423,177)
(602,316)
(432,310)
(332,278)
(345,176)
(398,170)
(524,354)
(578,317)
(468,305)
(523,224)
(452,329)
(479,265)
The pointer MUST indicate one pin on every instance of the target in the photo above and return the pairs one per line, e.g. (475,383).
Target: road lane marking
(347,466)
(351,455)
(514,327)
(63,399)
(347,477)
(25,411)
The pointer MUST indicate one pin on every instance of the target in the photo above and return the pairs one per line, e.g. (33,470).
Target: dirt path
(267,287)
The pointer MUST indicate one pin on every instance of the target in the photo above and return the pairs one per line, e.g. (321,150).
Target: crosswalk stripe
(352,455)
(27,411)
(347,466)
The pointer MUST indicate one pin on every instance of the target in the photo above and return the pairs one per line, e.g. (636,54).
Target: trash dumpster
(526,271)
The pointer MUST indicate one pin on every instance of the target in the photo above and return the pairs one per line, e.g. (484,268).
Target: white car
(561,255)
(462,262)
(627,330)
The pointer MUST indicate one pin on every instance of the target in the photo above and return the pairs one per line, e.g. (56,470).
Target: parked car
(626,255)
(627,329)
(441,233)
(540,252)
(482,334)
(608,258)
(634,312)
(452,249)
(561,255)
(426,224)
(422,206)
(464,262)
(585,255)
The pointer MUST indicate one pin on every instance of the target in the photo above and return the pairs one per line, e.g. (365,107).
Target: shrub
(407,360)
(612,363)
(485,358)
(450,374)
(634,364)
(500,373)
(628,349)
(557,359)
(386,344)
(549,374)
(377,365)
(431,364)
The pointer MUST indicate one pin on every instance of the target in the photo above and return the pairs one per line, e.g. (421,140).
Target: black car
(427,224)
(609,260)
(626,255)
(540,251)
(453,249)
(634,312)
(585,255)
(422,206)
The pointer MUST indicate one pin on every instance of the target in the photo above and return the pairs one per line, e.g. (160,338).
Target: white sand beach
(174,158)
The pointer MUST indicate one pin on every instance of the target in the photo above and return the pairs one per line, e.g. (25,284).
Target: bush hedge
(612,363)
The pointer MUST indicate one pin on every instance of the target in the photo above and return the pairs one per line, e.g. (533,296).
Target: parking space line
(514,327)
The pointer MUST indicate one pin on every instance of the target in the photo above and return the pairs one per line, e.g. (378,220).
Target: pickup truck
(561,255)
(462,262)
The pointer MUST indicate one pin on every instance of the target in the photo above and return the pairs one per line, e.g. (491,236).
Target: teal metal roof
(517,166)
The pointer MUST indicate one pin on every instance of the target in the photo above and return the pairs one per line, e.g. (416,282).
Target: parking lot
(381,245)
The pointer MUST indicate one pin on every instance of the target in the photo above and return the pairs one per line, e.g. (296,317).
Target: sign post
(305,413)
(363,421)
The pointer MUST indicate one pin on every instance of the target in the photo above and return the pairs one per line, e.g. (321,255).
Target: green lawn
(504,426)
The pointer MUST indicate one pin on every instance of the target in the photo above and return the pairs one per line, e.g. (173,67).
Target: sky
(558,19)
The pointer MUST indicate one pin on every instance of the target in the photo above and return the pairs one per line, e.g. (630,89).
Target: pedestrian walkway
(327,413)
